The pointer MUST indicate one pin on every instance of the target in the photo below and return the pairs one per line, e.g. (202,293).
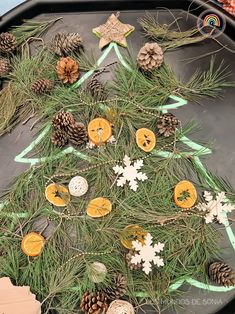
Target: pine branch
(30,29)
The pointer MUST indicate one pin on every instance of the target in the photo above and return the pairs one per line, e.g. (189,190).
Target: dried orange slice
(99,131)
(132,233)
(32,244)
(145,139)
(185,194)
(57,194)
(99,207)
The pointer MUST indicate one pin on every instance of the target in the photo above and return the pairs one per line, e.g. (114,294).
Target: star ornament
(113,31)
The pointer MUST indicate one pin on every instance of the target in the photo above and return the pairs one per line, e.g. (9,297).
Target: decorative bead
(78,186)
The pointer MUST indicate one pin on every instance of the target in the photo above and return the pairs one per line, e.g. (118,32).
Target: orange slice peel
(185,194)
(145,139)
(57,195)
(99,207)
(132,233)
(32,244)
(99,131)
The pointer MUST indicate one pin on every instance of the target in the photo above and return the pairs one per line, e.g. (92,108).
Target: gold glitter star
(113,30)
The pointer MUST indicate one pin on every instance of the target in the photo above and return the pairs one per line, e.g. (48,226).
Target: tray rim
(26,10)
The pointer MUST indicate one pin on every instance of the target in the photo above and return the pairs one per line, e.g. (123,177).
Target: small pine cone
(62,120)
(130,265)
(64,43)
(67,70)
(118,289)
(7,42)
(59,138)
(77,133)
(42,86)
(222,274)
(4,66)
(167,124)
(94,303)
(150,57)
(97,89)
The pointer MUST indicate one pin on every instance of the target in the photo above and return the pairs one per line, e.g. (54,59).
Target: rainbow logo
(211,24)
(212,20)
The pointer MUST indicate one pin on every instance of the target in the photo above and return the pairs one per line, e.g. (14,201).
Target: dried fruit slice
(132,233)
(99,131)
(185,194)
(32,244)
(99,207)
(57,194)
(145,139)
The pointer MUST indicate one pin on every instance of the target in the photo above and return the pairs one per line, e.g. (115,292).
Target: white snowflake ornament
(130,173)
(216,207)
(147,253)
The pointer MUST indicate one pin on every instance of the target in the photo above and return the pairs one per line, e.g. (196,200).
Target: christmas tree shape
(197,151)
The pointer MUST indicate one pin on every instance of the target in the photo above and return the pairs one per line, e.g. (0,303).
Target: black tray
(217,116)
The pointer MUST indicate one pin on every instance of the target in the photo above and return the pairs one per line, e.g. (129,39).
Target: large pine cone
(118,289)
(97,89)
(67,70)
(77,133)
(7,43)
(59,138)
(4,66)
(62,120)
(167,124)
(150,57)
(130,265)
(222,274)
(94,303)
(64,43)
(42,86)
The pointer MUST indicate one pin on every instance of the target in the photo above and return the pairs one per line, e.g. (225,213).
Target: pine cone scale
(167,124)
(94,303)
(8,43)
(64,43)
(222,274)
(4,66)
(67,70)
(150,57)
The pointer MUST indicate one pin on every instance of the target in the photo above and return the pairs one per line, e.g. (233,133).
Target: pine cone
(67,70)
(97,89)
(222,274)
(150,57)
(94,303)
(167,124)
(64,43)
(62,120)
(59,138)
(132,266)
(118,289)
(4,66)
(7,42)
(42,86)
(77,133)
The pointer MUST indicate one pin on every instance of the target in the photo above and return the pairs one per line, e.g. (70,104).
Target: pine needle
(30,29)
(167,38)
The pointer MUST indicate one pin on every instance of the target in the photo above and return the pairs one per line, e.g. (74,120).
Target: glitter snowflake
(147,253)
(130,173)
(216,207)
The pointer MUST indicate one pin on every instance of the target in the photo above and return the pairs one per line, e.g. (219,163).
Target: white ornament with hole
(78,186)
